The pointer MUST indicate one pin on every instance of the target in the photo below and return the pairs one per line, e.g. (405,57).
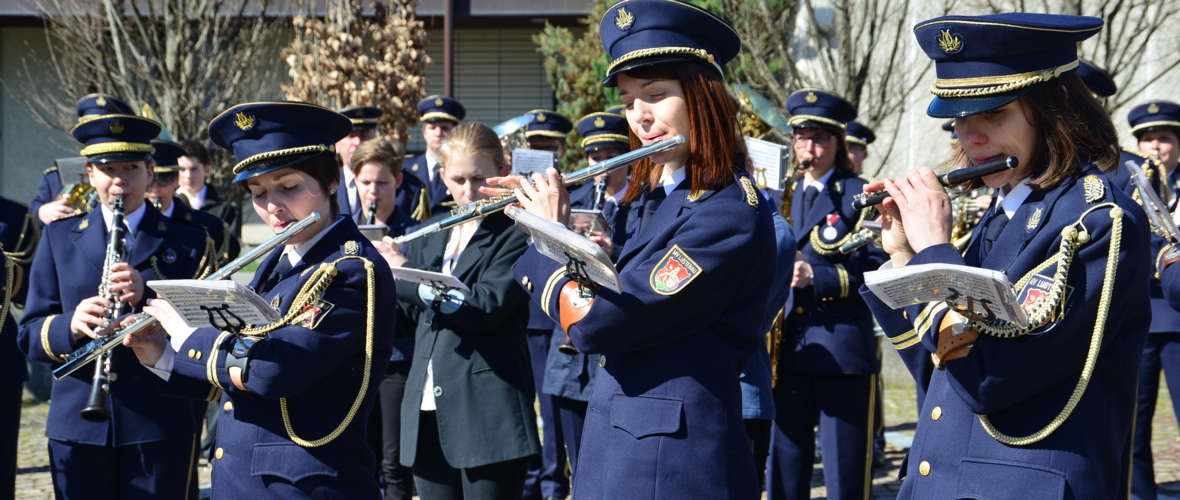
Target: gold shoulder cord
(208,262)
(9,271)
(312,289)
(827,249)
(26,248)
(423,211)
(1070,241)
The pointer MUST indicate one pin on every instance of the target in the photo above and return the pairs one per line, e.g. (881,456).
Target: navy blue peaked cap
(857,133)
(618,109)
(440,107)
(603,130)
(1096,79)
(95,105)
(819,108)
(637,33)
(362,117)
(268,136)
(547,123)
(113,138)
(166,155)
(1152,115)
(986,62)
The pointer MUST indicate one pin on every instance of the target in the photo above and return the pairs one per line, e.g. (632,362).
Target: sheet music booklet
(187,296)
(440,280)
(526,162)
(560,243)
(964,287)
(586,221)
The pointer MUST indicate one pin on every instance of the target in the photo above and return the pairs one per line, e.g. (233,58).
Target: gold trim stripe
(1162,123)
(797,119)
(871,432)
(363,121)
(843,275)
(117,147)
(281,152)
(596,138)
(1004,25)
(988,85)
(547,292)
(903,337)
(438,115)
(659,51)
(855,140)
(45,339)
(211,363)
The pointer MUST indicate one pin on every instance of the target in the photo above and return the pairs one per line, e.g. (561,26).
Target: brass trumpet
(952,178)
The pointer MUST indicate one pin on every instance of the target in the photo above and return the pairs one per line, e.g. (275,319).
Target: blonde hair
(384,151)
(473,139)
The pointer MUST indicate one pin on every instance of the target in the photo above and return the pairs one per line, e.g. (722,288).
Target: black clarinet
(97,409)
(372,216)
(954,177)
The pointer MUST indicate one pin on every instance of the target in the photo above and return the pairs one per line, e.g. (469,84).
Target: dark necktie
(992,230)
(809,196)
(651,204)
(277,274)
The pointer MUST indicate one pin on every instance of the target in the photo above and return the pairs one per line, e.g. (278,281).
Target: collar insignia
(811,97)
(748,187)
(950,43)
(599,122)
(624,19)
(351,248)
(169,256)
(438,101)
(188,217)
(244,121)
(1035,219)
(162,226)
(1153,108)
(101,101)
(673,272)
(276,302)
(1094,189)
(85,224)
(115,127)
(415,167)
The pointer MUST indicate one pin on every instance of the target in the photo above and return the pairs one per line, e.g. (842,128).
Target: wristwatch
(237,361)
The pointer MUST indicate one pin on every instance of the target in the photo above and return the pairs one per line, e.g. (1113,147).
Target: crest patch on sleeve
(673,272)
(312,315)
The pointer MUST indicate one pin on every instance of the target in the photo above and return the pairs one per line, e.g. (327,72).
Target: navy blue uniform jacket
(1021,384)
(830,323)
(66,271)
(13,217)
(438,196)
(314,365)
(665,416)
(47,190)
(483,388)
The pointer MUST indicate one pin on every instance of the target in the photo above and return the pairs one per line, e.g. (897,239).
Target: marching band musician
(664,418)
(468,426)
(1012,411)
(47,205)
(295,394)
(364,121)
(147,448)
(828,376)
(18,239)
(377,168)
(438,115)
(570,377)
(1156,126)
(161,193)
(197,195)
(858,137)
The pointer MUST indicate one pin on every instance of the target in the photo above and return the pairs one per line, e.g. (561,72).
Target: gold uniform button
(527,284)
(229,406)
(192,353)
(798,310)
(221,453)
(936,413)
(602,361)
(198,355)
(923,467)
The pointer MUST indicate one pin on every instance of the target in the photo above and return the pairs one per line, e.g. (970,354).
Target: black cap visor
(612,79)
(118,157)
(958,107)
(262,167)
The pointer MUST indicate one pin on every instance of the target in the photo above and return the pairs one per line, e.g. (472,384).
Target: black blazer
(482,381)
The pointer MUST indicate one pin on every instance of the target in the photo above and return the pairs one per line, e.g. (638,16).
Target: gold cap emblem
(599,122)
(811,97)
(244,121)
(359,113)
(438,101)
(1153,108)
(950,43)
(115,127)
(101,101)
(540,117)
(624,19)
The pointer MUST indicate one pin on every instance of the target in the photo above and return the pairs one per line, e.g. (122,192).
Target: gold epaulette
(49,170)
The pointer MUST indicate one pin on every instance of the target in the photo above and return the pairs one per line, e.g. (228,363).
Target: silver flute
(100,346)
(484,208)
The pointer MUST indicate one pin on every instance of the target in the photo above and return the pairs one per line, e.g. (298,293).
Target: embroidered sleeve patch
(673,272)
(312,315)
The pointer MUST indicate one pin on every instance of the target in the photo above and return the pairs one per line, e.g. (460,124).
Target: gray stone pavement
(33,481)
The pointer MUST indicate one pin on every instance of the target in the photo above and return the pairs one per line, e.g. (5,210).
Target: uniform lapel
(483,237)
(150,235)
(90,233)
(670,209)
(797,207)
(1026,222)
(824,205)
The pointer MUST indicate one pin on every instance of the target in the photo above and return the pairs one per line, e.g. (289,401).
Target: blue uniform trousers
(842,406)
(10,394)
(145,471)
(1162,352)
(548,478)
(573,419)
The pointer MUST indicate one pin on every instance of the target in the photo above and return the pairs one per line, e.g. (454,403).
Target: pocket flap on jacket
(646,416)
(998,480)
(292,462)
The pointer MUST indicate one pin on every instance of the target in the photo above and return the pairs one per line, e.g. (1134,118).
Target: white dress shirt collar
(294,253)
(1011,202)
(670,180)
(820,184)
(132,219)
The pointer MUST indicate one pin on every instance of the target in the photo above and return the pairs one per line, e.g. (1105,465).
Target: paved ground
(33,482)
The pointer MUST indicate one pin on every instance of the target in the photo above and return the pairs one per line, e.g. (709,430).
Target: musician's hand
(88,316)
(505,185)
(802,276)
(54,210)
(389,250)
(893,238)
(127,282)
(166,314)
(149,345)
(604,240)
(546,197)
(922,201)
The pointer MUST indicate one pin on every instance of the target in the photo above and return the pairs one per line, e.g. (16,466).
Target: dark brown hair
(714,137)
(196,150)
(1072,130)
(323,168)
(383,151)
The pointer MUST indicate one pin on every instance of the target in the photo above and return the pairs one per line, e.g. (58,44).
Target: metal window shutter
(498,75)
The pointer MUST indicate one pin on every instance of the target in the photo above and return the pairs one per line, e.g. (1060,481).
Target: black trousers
(399,479)
(9,430)
(758,432)
(437,480)
(1161,353)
